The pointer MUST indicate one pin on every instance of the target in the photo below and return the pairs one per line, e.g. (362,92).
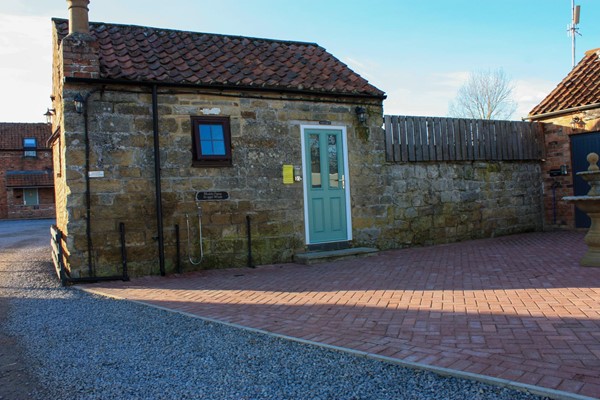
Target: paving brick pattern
(517,307)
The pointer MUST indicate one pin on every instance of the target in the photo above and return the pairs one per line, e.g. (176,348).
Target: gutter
(222,87)
(560,112)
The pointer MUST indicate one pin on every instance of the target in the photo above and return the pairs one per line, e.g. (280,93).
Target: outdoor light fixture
(577,122)
(79,103)
(564,170)
(361,113)
(49,114)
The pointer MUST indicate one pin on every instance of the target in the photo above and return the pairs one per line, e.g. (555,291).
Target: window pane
(206,146)
(29,144)
(212,140)
(332,155)
(315,161)
(219,148)
(205,132)
(217,132)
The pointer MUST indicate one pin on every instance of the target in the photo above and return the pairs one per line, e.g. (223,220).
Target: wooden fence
(454,139)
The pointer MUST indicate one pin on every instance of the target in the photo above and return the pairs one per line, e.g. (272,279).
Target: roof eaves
(570,94)
(217,85)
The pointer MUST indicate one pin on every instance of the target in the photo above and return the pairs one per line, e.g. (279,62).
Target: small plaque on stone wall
(211,196)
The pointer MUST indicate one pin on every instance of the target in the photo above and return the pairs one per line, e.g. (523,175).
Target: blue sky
(419,52)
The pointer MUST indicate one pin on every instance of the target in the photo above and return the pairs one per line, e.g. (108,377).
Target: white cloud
(452,80)
(367,69)
(428,94)
(26,68)
(529,93)
(421,93)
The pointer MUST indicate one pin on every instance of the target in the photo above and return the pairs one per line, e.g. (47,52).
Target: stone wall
(392,205)
(265,136)
(432,203)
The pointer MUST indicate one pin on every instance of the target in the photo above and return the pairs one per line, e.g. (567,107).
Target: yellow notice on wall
(288,174)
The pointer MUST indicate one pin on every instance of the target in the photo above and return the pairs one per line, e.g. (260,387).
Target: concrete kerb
(523,387)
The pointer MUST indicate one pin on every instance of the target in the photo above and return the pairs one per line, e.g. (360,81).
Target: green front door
(325,185)
(30,197)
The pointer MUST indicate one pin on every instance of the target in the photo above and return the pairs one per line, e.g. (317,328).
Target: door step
(315,257)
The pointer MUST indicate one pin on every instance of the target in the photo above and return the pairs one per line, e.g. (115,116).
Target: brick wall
(17,210)
(12,158)
(557,131)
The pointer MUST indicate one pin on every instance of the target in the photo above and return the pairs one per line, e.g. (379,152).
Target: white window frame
(29,153)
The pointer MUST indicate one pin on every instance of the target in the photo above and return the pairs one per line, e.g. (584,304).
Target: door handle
(343,180)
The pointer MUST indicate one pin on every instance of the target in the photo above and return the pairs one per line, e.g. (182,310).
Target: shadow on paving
(524,261)
(517,307)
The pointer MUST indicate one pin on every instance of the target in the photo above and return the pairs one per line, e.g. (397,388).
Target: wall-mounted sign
(211,196)
(288,174)
(96,174)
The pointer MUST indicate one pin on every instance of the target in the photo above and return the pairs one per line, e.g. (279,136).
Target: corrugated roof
(581,87)
(146,54)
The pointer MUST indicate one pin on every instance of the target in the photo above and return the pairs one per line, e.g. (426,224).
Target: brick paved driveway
(517,307)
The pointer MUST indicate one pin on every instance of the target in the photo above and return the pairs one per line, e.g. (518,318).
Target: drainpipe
(88,206)
(159,216)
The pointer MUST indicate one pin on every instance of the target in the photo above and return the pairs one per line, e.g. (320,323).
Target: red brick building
(26,177)
(571,116)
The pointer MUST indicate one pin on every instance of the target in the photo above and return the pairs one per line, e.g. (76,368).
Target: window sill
(211,164)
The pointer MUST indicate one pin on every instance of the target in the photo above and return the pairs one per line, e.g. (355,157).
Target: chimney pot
(78,16)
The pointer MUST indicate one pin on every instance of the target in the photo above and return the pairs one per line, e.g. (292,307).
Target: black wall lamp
(562,171)
(577,122)
(361,114)
(49,114)
(79,103)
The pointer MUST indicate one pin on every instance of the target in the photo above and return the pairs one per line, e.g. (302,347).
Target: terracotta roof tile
(29,178)
(138,53)
(12,134)
(581,87)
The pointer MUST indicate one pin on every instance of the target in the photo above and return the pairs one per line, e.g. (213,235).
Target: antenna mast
(573,29)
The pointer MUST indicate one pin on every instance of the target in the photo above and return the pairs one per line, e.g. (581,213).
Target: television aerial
(573,28)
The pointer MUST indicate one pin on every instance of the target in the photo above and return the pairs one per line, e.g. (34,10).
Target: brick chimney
(78,16)
(79,49)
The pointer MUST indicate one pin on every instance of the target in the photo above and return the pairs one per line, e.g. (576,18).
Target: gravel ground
(81,346)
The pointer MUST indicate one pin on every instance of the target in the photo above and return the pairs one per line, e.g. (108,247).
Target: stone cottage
(195,143)
(571,116)
(179,150)
(26,182)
